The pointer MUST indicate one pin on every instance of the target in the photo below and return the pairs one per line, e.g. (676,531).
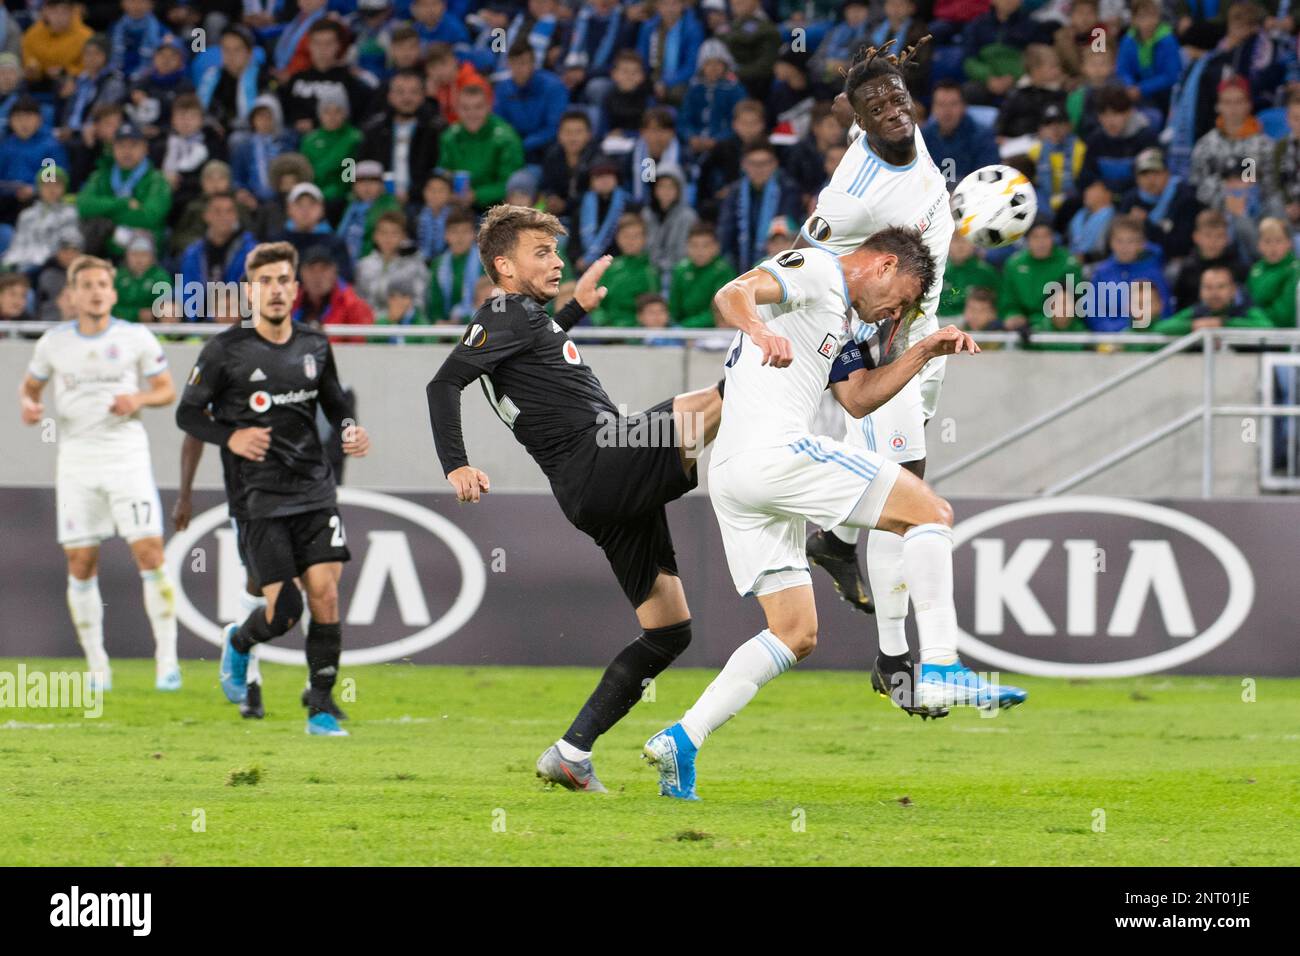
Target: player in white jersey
(887,178)
(769,472)
(104,371)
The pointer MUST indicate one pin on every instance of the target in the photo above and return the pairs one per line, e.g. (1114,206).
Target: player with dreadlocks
(887,178)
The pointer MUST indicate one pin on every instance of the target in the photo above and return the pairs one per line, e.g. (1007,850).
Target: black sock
(837,547)
(621,685)
(256,629)
(324,645)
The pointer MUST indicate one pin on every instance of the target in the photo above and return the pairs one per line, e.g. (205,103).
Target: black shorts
(621,505)
(280,549)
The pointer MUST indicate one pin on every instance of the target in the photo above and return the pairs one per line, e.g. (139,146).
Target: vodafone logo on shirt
(260,401)
(571,354)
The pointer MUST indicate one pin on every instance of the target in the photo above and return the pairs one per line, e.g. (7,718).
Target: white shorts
(97,500)
(763,497)
(896,429)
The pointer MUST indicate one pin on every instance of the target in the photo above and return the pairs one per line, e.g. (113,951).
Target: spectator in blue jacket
(669,44)
(219,255)
(134,38)
(531,100)
(434,24)
(836,50)
(705,114)
(1116,280)
(599,31)
(1150,60)
(957,144)
(23,153)
(763,193)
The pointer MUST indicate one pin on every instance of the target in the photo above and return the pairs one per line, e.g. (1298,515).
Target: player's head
(887,275)
(876,87)
(270,281)
(519,249)
(91,282)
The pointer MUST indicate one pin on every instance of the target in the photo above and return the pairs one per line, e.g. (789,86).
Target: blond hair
(85,263)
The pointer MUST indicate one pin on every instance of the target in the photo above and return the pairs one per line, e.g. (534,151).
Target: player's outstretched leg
(790,636)
(160,606)
(87,610)
(324,648)
(836,551)
(698,415)
(283,608)
(924,520)
(666,622)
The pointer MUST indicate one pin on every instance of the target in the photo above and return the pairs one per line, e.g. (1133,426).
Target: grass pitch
(817,771)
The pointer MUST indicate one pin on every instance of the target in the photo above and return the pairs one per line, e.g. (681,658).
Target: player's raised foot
(234,667)
(251,707)
(570,774)
(169,680)
(324,701)
(956,685)
(840,559)
(324,725)
(671,753)
(894,678)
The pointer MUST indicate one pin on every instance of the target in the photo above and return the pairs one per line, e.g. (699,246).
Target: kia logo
(387,575)
(1149,569)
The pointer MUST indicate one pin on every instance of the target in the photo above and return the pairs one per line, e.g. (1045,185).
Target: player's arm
(586,295)
(338,410)
(736,305)
(161,391)
(30,406)
(204,385)
(183,510)
(864,390)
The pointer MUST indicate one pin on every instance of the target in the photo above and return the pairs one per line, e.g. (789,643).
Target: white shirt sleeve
(803,276)
(151,359)
(40,367)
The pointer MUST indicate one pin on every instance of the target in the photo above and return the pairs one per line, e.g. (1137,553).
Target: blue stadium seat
(985,116)
(1274,122)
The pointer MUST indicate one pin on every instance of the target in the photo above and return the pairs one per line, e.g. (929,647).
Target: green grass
(439,770)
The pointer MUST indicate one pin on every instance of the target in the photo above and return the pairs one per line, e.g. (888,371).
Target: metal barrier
(1209,341)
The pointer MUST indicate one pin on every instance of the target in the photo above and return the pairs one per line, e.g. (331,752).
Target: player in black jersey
(613,490)
(263,380)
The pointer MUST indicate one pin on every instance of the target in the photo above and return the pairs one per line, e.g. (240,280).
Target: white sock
(927,568)
(248,603)
(570,752)
(160,606)
(87,609)
(754,663)
(888,590)
(846,534)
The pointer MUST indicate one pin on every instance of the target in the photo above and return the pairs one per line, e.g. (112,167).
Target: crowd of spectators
(687,139)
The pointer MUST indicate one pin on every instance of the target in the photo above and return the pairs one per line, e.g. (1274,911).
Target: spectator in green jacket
(481,144)
(1271,284)
(453,274)
(964,271)
(128,196)
(629,275)
(1219,307)
(141,283)
(329,147)
(754,42)
(1037,271)
(697,278)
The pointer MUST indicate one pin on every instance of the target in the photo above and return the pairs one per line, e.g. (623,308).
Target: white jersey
(867,194)
(87,372)
(767,407)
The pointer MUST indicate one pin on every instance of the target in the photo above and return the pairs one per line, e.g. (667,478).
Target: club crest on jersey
(828,346)
(475,336)
(571,353)
(898,441)
(790,260)
(111,352)
(309,365)
(259,401)
(819,229)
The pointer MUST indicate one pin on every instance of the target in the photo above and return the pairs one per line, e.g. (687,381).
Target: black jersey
(251,382)
(536,380)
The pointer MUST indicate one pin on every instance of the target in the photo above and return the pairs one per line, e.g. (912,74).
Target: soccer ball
(994,206)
